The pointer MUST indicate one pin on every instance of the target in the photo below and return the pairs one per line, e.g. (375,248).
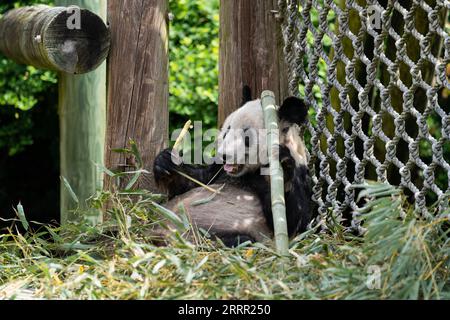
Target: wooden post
(251,52)
(82,108)
(50,38)
(137,82)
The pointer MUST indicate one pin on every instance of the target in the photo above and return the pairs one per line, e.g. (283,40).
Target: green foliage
(194,53)
(15,131)
(22,88)
(406,249)
(21,85)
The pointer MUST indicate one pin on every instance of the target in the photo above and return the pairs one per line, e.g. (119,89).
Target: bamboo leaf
(22,217)
(171,216)
(69,189)
(133,181)
(105,170)
(137,154)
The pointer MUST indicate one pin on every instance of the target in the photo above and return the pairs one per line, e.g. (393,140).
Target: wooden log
(251,53)
(138,90)
(63,39)
(82,109)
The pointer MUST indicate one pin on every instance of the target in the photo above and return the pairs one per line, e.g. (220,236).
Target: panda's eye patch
(285,130)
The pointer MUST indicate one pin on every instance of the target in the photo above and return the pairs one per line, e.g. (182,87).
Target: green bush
(194,53)
(22,87)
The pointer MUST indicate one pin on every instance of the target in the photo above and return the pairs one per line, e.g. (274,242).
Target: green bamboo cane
(276,173)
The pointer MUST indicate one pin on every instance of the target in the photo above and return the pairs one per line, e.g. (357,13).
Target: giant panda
(242,211)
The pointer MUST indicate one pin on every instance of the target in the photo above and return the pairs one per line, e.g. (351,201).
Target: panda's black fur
(296,176)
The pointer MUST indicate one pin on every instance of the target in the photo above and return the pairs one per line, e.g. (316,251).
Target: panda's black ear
(246,94)
(293,110)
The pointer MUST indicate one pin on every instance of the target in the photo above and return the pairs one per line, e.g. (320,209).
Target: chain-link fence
(376,74)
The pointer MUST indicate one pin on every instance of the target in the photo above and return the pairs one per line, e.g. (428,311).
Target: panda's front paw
(286,160)
(166,164)
(285,155)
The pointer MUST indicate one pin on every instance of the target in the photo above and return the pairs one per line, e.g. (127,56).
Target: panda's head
(242,142)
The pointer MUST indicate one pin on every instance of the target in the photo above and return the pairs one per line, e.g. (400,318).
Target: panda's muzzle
(232,168)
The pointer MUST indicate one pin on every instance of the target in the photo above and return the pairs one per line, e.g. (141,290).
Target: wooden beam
(56,38)
(251,53)
(137,82)
(82,109)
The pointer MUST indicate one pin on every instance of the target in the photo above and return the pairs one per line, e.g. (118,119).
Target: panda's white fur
(293,141)
(231,140)
(243,208)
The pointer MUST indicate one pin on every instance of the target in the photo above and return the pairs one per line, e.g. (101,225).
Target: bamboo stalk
(276,173)
(183,133)
(198,182)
